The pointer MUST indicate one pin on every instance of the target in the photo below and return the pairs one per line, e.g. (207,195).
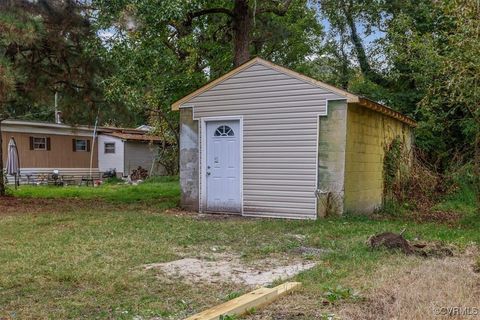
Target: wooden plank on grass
(243,304)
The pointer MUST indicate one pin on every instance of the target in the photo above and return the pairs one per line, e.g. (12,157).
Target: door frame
(203,157)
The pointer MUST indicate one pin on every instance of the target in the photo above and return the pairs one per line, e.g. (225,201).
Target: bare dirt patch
(14,205)
(203,216)
(394,241)
(230,269)
(178,212)
(17,205)
(391,241)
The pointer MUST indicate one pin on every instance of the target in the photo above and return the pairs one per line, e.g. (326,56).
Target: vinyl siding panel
(280,131)
(141,154)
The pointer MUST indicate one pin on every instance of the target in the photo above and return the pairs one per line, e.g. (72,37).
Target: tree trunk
(241,32)
(358,45)
(362,58)
(2,177)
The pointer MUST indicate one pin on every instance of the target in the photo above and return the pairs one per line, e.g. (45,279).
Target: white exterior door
(223,166)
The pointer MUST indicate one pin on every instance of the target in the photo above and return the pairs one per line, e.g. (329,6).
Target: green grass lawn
(161,188)
(87,263)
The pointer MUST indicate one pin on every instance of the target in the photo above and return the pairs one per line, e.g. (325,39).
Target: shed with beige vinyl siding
(266,141)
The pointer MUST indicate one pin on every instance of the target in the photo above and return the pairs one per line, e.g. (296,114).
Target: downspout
(125,171)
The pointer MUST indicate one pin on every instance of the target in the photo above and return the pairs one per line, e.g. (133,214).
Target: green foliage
(393,207)
(423,61)
(165,189)
(161,179)
(338,293)
(392,162)
(232,295)
(46,257)
(112,180)
(161,51)
(50,47)
(461,195)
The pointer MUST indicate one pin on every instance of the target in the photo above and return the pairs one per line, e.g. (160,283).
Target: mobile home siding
(280,131)
(59,156)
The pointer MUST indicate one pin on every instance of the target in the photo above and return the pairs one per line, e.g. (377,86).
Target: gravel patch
(263,272)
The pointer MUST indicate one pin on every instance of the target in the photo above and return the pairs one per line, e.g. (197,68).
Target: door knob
(208,173)
(208,167)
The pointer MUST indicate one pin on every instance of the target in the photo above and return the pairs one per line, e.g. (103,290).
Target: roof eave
(372,105)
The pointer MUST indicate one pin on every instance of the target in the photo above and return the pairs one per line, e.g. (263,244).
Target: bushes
(419,187)
(460,194)
(407,179)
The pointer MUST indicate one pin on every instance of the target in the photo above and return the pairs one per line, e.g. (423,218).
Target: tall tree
(18,30)
(345,17)
(422,61)
(162,50)
(241,18)
(43,50)
(454,86)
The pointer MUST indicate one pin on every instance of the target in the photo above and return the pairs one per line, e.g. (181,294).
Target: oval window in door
(224,131)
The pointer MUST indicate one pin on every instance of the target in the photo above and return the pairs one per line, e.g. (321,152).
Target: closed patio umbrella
(13,161)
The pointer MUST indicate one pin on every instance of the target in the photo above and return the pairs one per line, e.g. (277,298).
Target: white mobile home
(125,151)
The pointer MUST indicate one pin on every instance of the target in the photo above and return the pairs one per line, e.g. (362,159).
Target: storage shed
(266,141)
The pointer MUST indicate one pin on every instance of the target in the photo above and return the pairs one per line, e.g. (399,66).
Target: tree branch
(280,10)
(192,15)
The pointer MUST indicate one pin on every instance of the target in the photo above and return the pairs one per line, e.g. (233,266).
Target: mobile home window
(39,143)
(109,147)
(80,145)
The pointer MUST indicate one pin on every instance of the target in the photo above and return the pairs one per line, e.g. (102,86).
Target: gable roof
(350,97)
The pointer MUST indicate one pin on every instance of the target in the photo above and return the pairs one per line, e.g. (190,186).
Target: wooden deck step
(243,304)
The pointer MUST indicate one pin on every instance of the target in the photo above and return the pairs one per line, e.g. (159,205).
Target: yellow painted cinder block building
(266,141)
(369,133)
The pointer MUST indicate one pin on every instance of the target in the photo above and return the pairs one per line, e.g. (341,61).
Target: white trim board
(203,155)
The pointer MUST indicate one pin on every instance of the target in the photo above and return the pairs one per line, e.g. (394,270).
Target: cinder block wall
(189,161)
(368,133)
(331,158)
